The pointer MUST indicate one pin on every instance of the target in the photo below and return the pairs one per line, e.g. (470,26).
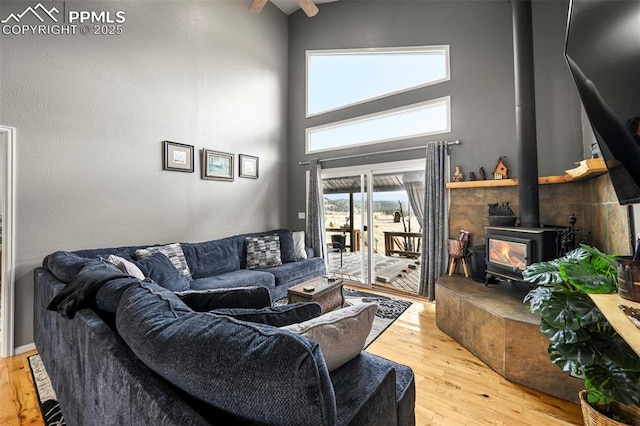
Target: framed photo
(177,157)
(248,166)
(217,165)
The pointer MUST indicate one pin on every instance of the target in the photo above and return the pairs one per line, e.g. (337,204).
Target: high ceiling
(290,6)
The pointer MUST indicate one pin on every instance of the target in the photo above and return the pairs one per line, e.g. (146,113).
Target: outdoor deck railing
(402,243)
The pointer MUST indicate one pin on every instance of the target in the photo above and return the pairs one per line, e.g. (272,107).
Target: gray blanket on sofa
(80,292)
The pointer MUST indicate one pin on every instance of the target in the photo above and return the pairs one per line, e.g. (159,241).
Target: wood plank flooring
(452,386)
(18,400)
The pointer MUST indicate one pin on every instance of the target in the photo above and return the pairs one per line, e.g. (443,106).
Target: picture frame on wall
(248,166)
(177,157)
(217,165)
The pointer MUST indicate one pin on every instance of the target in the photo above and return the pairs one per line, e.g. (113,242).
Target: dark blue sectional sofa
(221,264)
(124,351)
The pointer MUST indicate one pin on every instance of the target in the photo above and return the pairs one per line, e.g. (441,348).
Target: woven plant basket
(593,417)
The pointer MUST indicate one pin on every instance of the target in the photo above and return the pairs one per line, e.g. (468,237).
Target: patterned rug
(389,309)
(47,398)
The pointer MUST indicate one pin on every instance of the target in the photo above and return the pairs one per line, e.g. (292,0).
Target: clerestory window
(345,77)
(421,119)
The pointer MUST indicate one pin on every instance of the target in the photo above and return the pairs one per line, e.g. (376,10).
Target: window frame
(443,48)
(362,118)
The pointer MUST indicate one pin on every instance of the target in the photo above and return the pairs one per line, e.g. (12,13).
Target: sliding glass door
(345,219)
(372,218)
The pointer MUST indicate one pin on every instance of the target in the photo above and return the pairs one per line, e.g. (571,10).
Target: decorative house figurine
(501,171)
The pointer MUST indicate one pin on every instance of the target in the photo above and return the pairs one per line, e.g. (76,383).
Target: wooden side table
(327,292)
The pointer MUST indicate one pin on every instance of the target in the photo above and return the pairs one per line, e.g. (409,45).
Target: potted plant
(581,340)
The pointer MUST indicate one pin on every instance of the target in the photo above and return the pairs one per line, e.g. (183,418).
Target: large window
(345,77)
(422,119)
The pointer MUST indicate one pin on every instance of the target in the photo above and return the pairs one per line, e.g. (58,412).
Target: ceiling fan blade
(308,6)
(257,5)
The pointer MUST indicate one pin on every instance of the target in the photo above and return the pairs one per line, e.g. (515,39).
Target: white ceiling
(290,6)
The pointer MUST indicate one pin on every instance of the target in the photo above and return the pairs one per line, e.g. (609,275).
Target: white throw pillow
(173,252)
(298,245)
(341,334)
(127,267)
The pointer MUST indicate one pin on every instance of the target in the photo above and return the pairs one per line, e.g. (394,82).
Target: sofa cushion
(212,257)
(239,278)
(126,266)
(301,270)
(341,333)
(172,251)
(241,297)
(263,252)
(159,268)
(298,245)
(262,374)
(276,316)
(287,249)
(65,265)
(109,294)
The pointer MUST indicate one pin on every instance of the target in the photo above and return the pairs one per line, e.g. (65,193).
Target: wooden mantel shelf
(586,169)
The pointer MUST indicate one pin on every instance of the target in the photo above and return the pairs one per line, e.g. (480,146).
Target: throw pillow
(276,316)
(159,268)
(172,251)
(263,252)
(287,252)
(241,297)
(125,266)
(341,334)
(298,245)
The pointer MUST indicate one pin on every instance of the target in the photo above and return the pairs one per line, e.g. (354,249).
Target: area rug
(389,309)
(47,398)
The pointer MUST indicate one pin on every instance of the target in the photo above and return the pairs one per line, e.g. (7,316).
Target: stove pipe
(525,113)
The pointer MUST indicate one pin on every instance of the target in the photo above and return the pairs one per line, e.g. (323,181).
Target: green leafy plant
(581,340)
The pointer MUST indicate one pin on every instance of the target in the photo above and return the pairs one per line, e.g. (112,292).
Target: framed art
(177,157)
(217,165)
(248,166)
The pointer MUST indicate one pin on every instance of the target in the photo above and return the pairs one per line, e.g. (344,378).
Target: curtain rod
(389,151)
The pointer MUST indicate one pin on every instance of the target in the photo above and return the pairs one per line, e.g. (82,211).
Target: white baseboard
(25,348)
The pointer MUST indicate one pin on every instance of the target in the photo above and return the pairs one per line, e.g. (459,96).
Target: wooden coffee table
(326,291)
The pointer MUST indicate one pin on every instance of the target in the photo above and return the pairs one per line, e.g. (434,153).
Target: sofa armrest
(365,390)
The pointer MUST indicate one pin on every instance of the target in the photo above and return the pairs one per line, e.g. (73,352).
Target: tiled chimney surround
(593,201)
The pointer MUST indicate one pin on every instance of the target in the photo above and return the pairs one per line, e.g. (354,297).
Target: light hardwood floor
(452,386)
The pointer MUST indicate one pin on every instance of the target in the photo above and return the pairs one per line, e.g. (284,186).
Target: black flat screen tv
(603,53)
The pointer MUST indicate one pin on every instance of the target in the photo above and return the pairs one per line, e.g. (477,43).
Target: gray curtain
(315,235)
(414,185)
(434,251)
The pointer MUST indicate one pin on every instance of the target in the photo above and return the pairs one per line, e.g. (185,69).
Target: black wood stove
(511,249)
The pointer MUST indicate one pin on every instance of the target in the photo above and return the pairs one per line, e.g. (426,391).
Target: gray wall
(482,84)
(91,112)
